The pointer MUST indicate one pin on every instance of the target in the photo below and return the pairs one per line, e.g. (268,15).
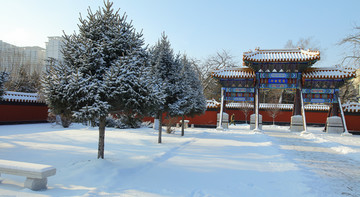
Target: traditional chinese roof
(336,72)
(231,73)
(21,97)
(281,55)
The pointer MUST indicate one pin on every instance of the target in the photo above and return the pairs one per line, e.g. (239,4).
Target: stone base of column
(225,121)
(252,121)
(334,125)
(296,123)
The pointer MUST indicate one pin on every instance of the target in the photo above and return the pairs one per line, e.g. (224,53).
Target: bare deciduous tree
(220,60)
(349,92)
(303,43)
(352,40)
(274,111)
(246,109)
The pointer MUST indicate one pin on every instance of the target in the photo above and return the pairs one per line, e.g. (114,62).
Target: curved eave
(244,73)
(282,60)
(315,73)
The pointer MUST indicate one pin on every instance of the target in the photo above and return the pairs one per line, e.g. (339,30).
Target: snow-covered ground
(205,162)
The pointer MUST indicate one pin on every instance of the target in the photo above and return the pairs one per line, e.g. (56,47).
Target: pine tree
(166,69)
(192,100)
(3,79)
(104,71)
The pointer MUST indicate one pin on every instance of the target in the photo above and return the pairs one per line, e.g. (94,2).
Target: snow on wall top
(281,55)
(234,73)
(336,72)
(351,107)
(212,104)
(21,97)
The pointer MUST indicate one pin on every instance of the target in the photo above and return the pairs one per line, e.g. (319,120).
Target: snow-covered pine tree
(166,68)
(105,70)
(60,84)
(193,101)
(3,79)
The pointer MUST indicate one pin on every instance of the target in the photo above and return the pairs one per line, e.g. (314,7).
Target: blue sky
(197,27)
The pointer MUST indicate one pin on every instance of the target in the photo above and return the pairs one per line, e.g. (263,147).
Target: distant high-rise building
(35,56)
(53,48)
(13,57)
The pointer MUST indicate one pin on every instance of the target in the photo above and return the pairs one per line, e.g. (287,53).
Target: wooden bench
(36,174)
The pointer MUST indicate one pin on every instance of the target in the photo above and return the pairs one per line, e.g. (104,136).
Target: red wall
(312,117)
(353,121)
(23,112)
(12,112)
(206,119)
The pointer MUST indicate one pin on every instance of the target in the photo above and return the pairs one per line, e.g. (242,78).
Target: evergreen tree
(104,71)
(192,100)
(59,95)
(166,69)
(3,79)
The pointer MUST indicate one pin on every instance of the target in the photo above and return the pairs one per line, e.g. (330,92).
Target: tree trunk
(182,125)
(160,127)
(102,123)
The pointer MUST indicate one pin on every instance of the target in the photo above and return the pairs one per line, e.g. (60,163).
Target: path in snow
(213,163)
(205,162)
(333,173)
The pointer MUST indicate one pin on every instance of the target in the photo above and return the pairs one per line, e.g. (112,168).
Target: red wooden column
(297,103)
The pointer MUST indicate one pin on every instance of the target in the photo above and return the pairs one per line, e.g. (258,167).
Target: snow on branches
(105,69)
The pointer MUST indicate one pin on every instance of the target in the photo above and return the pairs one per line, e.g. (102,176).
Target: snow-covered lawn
(205,162)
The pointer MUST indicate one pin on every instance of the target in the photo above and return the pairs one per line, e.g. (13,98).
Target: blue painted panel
(250,90)
(278,86)
(239,98)
(319,91)
(279,75)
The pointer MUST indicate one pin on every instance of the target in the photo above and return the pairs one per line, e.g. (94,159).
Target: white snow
(205,162)
(24,166)
(21,97)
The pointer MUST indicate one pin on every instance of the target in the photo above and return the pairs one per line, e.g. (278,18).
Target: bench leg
(35,184)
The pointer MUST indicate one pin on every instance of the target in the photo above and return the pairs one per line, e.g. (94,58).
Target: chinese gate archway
(289,69)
